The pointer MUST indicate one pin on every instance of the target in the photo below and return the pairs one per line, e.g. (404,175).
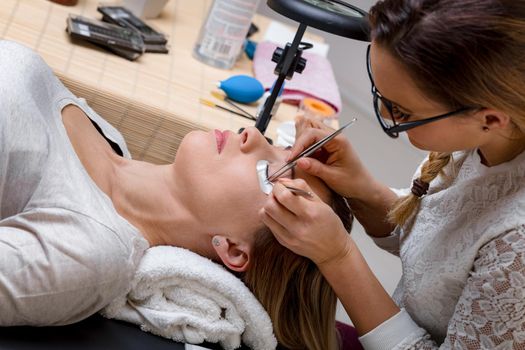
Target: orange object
(316,108)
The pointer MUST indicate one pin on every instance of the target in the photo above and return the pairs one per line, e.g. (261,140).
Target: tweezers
(299,192)
(308,151)
(267,186)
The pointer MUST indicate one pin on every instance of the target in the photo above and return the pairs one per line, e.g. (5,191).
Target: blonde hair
(298,299)
(459,53)
(406,206)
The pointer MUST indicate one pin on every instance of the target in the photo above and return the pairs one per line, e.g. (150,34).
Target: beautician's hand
(305,225)
(337,164)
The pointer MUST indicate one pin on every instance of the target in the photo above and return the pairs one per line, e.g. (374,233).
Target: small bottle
(222,34)
(265,98)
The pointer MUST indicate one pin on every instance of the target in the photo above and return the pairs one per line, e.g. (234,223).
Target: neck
(502,149)
(149,197)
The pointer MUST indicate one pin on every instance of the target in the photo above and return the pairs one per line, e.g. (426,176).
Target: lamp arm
(264,118)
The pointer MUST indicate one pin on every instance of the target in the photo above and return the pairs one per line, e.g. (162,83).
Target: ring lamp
(332,16)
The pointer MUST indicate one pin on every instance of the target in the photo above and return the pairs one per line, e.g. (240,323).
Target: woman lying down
(77,213)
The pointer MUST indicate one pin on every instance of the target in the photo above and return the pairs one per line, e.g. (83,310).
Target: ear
(494,119)
(235,255)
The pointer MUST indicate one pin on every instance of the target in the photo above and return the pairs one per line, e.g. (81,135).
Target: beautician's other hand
(337,164)
(305,225)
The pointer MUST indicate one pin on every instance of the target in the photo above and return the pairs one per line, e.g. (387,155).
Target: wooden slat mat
(153,101)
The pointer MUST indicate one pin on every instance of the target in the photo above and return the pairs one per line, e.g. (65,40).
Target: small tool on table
(213,104)
(226,99)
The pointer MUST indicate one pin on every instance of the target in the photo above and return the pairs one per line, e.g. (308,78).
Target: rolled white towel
(183,296)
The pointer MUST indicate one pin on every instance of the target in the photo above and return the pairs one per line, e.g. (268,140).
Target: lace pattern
(490,313)
(464,260)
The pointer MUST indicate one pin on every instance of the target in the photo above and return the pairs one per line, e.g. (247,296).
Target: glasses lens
(384,112)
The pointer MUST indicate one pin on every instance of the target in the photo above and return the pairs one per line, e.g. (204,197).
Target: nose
(252,139)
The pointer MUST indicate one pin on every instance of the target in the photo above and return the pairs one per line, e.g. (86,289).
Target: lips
(220,138)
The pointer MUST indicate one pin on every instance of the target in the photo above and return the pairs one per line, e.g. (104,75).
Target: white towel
(183,296)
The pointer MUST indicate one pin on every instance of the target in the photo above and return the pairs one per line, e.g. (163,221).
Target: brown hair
(299,300)
(459,53)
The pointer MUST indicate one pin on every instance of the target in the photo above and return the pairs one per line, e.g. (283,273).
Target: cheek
(242,218)
(237,193)
(448,138)
(421,139)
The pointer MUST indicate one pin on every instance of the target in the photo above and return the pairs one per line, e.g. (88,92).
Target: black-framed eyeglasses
(391,126)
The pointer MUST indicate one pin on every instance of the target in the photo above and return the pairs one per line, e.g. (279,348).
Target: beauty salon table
(93,333)
(153,101)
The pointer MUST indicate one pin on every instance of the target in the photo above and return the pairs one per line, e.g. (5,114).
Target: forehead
(394,82)
(390,76)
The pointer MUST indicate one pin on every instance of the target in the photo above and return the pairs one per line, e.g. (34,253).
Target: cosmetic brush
(212,104)
(224,98)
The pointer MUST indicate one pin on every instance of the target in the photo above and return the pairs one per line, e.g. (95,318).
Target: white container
(223,32)
(145,8)
(286,134)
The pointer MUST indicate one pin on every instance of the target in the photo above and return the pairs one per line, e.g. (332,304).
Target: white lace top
(463,258)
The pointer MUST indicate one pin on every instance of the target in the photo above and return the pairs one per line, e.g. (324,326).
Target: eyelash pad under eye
(262,175)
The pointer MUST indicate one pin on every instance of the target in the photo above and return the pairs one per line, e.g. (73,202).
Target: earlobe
(235,256)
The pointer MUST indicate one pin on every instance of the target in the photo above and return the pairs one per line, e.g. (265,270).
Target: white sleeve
(58,267)
(389,243)
(399,329)
(490,313)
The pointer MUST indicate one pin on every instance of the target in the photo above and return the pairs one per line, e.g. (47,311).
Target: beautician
(451,74)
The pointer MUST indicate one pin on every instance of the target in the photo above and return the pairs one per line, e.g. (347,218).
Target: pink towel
(317,79)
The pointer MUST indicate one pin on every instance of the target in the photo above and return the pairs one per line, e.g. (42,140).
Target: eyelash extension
(292,172)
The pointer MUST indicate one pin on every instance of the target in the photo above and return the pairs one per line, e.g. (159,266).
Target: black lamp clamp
(333,16)
(298,63)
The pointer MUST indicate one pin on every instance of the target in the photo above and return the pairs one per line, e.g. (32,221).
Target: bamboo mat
(153,101)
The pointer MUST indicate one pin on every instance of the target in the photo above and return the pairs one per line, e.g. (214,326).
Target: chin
(194,141)
(194,136)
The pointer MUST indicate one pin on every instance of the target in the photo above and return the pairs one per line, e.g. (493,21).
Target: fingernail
(303,163)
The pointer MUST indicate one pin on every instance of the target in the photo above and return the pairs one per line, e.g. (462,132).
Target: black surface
(95,332)
(327,15)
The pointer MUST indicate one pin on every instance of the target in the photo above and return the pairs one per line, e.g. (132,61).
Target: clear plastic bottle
(223,32)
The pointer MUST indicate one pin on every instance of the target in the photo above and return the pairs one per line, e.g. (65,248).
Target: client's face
(218,169)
